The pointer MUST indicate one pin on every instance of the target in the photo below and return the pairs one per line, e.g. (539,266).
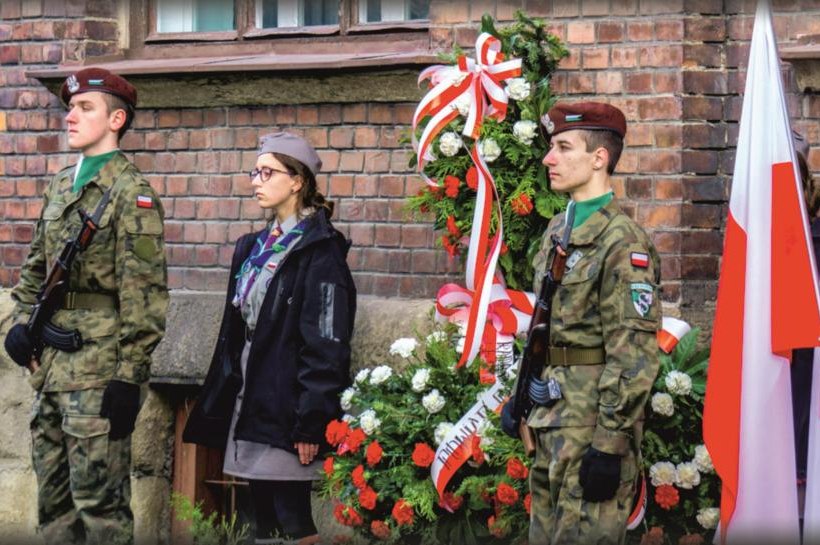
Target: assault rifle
(534,359)
(50,299)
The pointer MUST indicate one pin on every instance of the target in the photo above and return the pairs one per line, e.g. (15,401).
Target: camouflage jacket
(126,260)
(608,298)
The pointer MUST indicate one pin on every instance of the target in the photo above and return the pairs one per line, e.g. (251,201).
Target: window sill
(805,59)
(319,30)
(161,37)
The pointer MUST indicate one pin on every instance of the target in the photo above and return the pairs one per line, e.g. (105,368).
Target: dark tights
(284,507)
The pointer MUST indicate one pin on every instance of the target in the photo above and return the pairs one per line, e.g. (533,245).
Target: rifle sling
(565,356)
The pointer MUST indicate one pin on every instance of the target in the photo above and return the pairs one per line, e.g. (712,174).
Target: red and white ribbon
(671,332)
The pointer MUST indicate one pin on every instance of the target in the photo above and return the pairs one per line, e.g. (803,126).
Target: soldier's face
(89,122)
(280,191)
(570,165)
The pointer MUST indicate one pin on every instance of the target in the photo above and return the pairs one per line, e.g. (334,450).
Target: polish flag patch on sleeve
(639,259)
(144,201)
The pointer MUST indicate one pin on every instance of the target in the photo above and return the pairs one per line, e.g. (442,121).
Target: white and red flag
(767,305)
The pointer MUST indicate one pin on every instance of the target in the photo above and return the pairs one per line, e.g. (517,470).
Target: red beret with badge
(595,116)
(100,80)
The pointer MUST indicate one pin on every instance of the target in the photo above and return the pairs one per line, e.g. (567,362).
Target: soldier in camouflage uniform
(88,400)
(603,353)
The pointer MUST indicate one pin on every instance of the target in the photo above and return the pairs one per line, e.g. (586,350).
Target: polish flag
(767,305)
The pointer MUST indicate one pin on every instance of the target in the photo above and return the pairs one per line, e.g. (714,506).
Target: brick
(341,186)
(699,267)
(317,136)
(572,61)
(229,208)
(668,189)
(262,116)
(390,137)
(700,135)
(663,215)
(307,115)
(580,32)
(375,259)
(350,209)
(391,186)
(702,242)
(389,236)
(441,37)
(665,55)
(415,236)
(330,114)
(377,161)
(659,108)
(465,36)
(214,118)
(9,54)
(609,82)
(354,113)
(351,161)
(669,30)
(169,118)
(624,7)
(702,189)
(624,57)
(595,57)
(668,136)
(399,161)
(639,31)
(366,185)
(25,188)
(362,234)
(706,55)
(365,137)
(699,162)
(609,32)
(565,8)
(23,233)
(445,11)
(639,188)
(638,82)
(385,285)
(594,7)
(380,114)
(705,29)
(659,161)
(709,82)
(639,134)
(377,210)
(341,137)
(705,7)
(702,108)
(667,82)
(580,83)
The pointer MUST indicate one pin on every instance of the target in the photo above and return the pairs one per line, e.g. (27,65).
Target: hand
(307,452)
(120,405)
(19,345)
(600,475)
(508,423)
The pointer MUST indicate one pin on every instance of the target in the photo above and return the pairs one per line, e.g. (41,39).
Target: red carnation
(403,513)
(379,529)
(336,432)
(346,515)
(358,477)
(373,453)
(504,248)
(451,248)
(521,205)
(528,503)
(667,496)
(451,184)
(367,498)
(452,227)
(478,454)
(423,455)
(328,466)
(505,494)
(516,469)
(495,529)
(450,502)
(353,441)
(472,178)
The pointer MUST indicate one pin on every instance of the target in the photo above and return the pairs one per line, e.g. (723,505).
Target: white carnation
(450,143)
(441,432)
(688,475)
(380,374)
(433,402)
(662,404)
(361,376)
(708,517)
(347,398)
(524,131)
(369,422)
(403,347)
(462,104)
(490,150)
(436,337)
(420,379)
(662,473)
(703,460)
(518,88)
(348,418)
(677,383)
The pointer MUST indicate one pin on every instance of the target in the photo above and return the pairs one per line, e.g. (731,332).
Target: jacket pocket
(333,312)
(221,395)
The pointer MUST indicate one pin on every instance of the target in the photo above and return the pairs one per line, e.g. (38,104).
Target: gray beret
(292,146)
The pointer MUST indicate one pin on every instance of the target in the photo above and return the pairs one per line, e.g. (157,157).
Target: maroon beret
(595,116)
(101,80)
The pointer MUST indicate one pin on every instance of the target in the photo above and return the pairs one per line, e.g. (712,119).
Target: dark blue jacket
(299,360)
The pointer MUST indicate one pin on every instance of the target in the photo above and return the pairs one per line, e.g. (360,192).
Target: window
(296,13)
(194,16)
(373,11)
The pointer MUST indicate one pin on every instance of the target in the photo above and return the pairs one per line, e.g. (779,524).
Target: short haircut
(115,103)
(609,140)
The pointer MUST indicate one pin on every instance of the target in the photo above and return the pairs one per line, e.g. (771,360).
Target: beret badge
(548,124)
(72,83)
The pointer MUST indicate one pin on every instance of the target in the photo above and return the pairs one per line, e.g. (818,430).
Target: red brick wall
(674,67)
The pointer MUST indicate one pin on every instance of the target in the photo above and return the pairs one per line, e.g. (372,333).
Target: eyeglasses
(266,172)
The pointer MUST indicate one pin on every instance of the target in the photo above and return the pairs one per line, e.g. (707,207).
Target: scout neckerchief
(88,167)
(267,244)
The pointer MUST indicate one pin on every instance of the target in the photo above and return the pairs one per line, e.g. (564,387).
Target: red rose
(358,477)
(521,205)
(477,453)
(496,529)
(472,178)
(373,453)
(505,494)
(346,515)
(336,432)
(667,496)
(379,529)
(450,502)
(403,513)
(451,184)
(452,227)
(423,455)
(528,503)
(516,469)
(367,498)
(328,466)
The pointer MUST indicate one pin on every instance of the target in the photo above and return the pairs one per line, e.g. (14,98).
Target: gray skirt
(250,460)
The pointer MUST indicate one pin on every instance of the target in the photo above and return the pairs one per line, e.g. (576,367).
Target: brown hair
(309,195)
(810,190)
(609,140)
(115,103)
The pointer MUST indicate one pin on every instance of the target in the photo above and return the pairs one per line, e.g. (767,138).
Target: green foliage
(211,529)
(518,172)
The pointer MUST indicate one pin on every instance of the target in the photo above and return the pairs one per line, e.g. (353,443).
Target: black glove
(508,423)
(19,346)
(120,404)
(600,475)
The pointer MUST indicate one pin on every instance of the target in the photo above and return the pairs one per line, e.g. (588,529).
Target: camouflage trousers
(559,514)
(83,477)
